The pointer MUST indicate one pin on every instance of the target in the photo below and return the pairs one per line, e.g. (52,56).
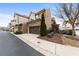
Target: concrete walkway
(48,48)
(38,44)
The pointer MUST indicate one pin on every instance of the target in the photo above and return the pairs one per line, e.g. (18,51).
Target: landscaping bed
(55,38)
(61,39)
(70,37)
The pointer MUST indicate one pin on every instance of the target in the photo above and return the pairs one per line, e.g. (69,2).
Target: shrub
(43,28)
(50,34)
(68,32)
(49,31)
(18,32)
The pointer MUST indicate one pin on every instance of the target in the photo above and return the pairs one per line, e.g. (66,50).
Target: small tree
(43,29)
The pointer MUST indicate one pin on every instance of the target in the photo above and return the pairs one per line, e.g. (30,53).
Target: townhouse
(68,26)
(31,23)
(18,21)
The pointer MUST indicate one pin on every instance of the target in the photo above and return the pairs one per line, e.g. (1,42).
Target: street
(10,45)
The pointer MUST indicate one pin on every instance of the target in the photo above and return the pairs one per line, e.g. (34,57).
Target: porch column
(27,29)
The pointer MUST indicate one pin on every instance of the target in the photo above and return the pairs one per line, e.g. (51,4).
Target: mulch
(55,38)
(58,38)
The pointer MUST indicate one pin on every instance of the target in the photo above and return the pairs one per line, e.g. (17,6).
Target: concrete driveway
(13,46)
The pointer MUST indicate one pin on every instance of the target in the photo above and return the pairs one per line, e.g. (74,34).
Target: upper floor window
(38,16)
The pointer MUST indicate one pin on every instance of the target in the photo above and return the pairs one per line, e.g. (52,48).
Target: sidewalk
(38,44)
(48,48)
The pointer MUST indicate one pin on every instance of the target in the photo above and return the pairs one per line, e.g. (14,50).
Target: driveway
(13,46)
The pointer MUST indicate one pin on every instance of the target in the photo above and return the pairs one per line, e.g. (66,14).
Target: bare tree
(69,13)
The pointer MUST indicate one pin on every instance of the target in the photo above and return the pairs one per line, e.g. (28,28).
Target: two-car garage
(34,26)
(34,29)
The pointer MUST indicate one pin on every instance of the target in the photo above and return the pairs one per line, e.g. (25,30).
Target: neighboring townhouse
(31,23)
(68,26)
(19,21)
(11,26)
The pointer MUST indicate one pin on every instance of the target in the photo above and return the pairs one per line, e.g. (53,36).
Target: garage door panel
(35,29)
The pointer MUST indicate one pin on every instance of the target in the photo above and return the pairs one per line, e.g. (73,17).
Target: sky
(8,9)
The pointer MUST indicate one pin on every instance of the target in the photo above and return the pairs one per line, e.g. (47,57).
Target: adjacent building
(18,21)
(68,26)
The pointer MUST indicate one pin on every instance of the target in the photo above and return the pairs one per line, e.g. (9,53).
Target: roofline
(40,11)
(43,10)
(21,15)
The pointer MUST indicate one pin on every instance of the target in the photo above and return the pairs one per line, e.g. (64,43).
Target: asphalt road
(10,45)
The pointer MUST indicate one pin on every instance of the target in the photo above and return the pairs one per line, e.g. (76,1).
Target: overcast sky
(7,10)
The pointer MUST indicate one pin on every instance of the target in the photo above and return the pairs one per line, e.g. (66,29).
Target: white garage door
(77,32)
